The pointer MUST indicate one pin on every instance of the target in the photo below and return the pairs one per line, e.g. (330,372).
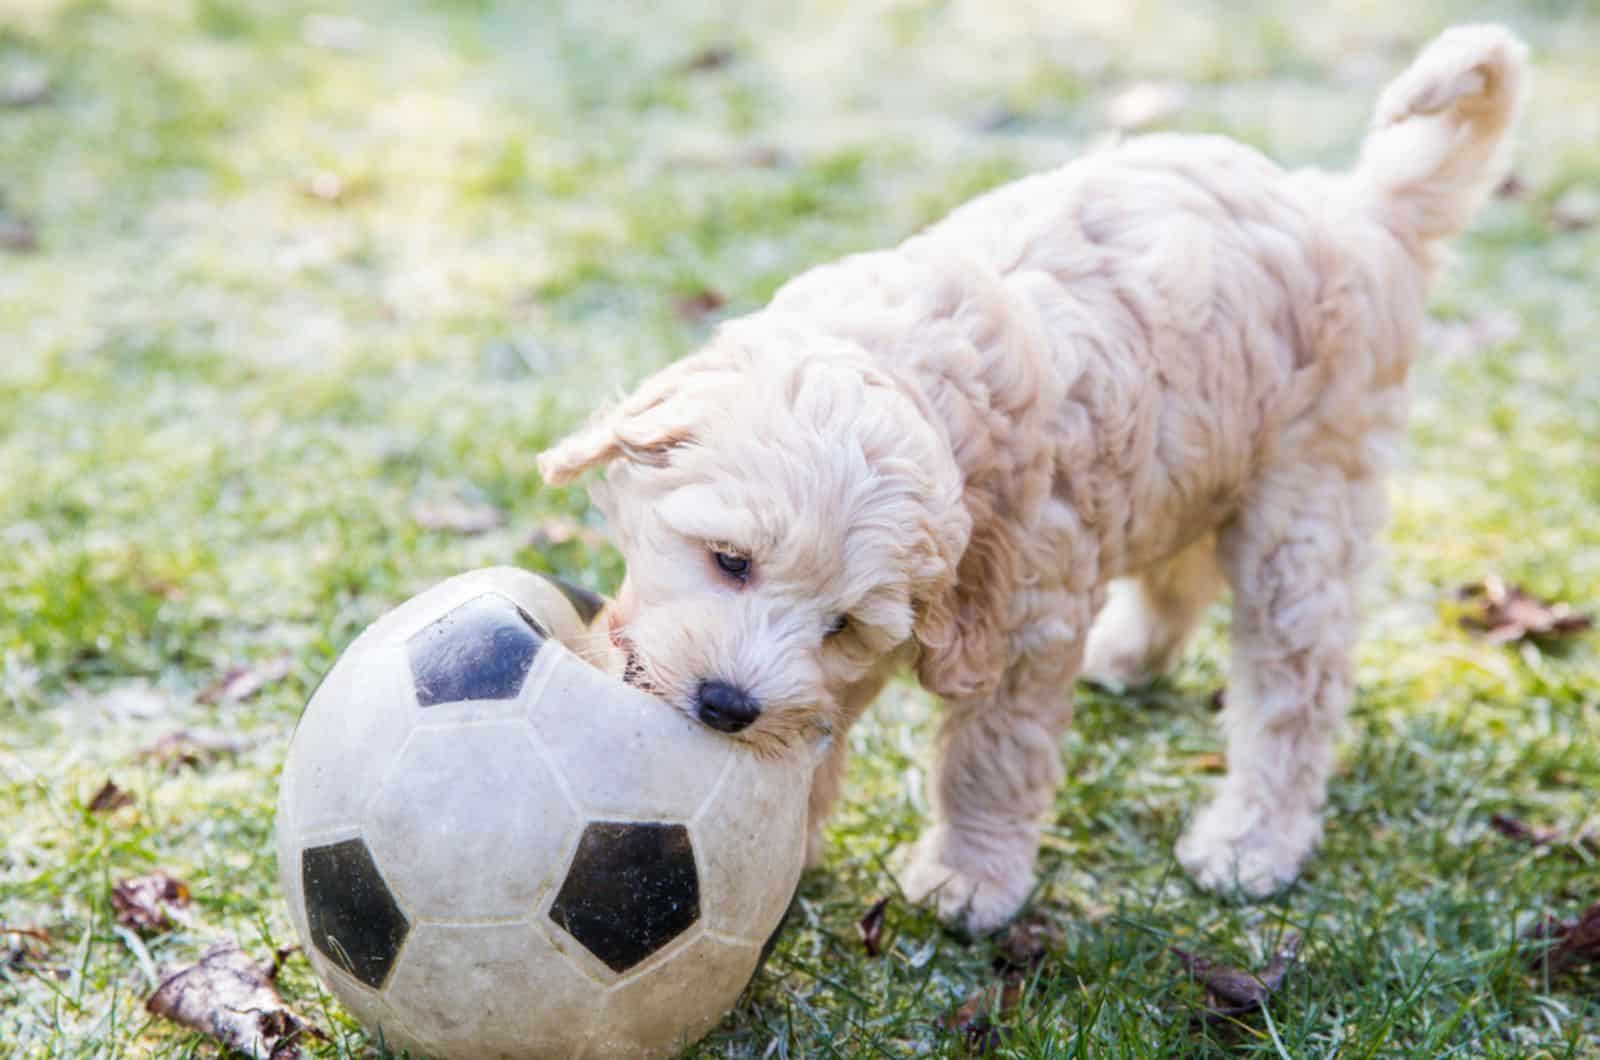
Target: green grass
(221,397)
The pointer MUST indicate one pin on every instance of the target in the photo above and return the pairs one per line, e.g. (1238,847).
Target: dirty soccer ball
(490,848)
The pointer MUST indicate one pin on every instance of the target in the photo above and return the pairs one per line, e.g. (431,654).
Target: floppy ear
(961,631)
(666,411)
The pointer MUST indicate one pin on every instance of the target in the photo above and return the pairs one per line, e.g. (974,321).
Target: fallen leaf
(560,529)
(18,235)
(26,88)
(699,305)
(150,903)
(230,998)
(1576,210)
(1146,103)
(1509,613)
(1231,991)
(707,59)
(456,517)
(1576,940)
(1218,700)
(1513,187)
(870,927)
(186,749)
(1207,762)
(1520,830)
(109,797)
(1026,943)
(975,1018)
(241,682)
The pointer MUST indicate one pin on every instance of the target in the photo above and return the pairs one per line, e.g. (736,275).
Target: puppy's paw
(978,898)
(1238,847)
(1121,652)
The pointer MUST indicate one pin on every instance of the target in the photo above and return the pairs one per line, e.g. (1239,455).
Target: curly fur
(1170,363)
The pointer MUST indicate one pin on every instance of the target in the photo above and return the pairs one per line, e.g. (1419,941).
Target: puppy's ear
(665,412)
(961,631)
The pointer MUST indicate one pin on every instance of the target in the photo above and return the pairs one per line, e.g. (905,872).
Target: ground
(290,301)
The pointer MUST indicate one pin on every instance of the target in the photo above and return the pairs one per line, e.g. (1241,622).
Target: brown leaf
(870,927)
(1506,614)
(1207,762)
(1578,940)
(975,1018)
(17,235)
(231,998)
(456,517)
(705,60)
(1218,700)
(1513,187)
(109,797)
(1026,943)
(26,88)
(150,903)
(241,682)
(186,749)
(699,304)
(1231,991)
(1514,828)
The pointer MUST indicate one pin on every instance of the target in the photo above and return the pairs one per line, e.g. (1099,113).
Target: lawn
(289,300)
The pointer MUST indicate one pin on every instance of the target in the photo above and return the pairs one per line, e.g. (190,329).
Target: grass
(297,276)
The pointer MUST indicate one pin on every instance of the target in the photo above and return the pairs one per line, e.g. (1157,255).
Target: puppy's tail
(1433,152)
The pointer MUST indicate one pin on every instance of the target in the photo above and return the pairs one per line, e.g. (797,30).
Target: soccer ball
(492,849)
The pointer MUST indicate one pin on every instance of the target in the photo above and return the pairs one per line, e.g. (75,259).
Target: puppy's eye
(838,625)
(732,564)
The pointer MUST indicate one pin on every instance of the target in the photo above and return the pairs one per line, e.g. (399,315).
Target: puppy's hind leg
(1294,557)
(1148,618)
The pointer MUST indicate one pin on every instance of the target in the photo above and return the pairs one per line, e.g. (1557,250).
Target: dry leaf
(18,235)
(699,304)
(231,998)
(975,1018)
(109,797)
(242,682)
(185,749)
(870,927)
(1218,700)
(1207,762)
(1583,844)
(1231,991)
(456,517)
(707,59)
(1026,943)
(1576,210)
(26,88)
(1146,103)
(1577,940)
(1509,613)
(1513,187)
(150,903)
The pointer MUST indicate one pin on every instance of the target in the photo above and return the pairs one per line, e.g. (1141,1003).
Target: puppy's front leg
(996,769)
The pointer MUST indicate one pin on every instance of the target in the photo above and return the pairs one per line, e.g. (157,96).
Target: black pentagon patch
(481,650)
(353,918)
(631,889)
(586,603)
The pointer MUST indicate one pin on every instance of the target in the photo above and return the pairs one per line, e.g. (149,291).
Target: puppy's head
(787,513)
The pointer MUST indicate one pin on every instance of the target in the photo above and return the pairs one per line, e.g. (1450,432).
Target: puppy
(1170,363)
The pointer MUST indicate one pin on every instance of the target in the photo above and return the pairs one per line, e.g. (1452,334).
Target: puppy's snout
(725,707)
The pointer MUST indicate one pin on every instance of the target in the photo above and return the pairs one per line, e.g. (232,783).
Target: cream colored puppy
(1170,362)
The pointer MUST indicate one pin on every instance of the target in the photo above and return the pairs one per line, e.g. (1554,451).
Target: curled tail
(1432,154)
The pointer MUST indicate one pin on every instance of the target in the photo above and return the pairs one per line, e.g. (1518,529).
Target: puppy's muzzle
(724,707)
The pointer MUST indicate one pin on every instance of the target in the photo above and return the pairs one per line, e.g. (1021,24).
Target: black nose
(726,708)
